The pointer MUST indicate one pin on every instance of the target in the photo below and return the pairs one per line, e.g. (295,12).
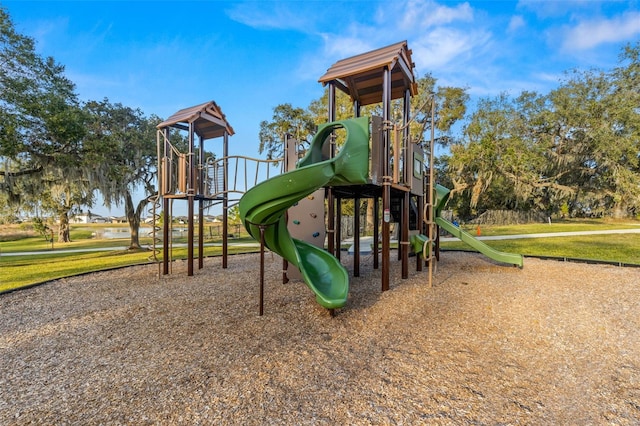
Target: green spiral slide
(264,207)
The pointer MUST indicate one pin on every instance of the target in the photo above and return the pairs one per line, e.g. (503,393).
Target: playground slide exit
(465,237)
(442,195)
(263,207)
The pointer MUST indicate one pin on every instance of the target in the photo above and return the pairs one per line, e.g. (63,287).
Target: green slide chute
(264,206)
(441,197)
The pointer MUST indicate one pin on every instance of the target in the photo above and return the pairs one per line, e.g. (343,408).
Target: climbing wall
(306,217)
(306,223)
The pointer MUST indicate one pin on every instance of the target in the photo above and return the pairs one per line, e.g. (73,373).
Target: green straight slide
(264,207)
(442,196)
(465,237)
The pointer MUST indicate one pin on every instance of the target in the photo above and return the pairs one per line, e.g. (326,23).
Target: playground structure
(397,173)
(377,161)
(186,172)
(286,213)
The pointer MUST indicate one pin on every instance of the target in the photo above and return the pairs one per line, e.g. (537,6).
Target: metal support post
(356,237)
(262,228)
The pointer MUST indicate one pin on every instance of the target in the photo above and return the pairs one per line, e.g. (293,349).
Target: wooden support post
(225,201)
(376,231)
(420,226)
(386,176)
(200,185)
(338,226)
(386,219)
(190,202)
(404,238)
(398,230)
(190,229)
(431,188)
(285,266)
(200,234)
(356,237)
(166,236)
(285,263)
(331,218)
(262,228)
(331,222)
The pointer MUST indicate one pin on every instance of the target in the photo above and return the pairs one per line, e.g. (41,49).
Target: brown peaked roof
(208,119)
(361,76)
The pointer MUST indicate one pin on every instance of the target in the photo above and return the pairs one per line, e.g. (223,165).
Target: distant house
(88,218)
(81,218)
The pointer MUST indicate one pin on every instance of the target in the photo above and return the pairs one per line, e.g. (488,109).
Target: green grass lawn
(21,271)
(24,270)
(50,262)
(556,226)
(623,248)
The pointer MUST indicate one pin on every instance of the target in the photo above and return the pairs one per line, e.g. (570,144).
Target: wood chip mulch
(553,343)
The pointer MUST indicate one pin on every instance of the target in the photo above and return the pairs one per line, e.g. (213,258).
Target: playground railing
(237,174)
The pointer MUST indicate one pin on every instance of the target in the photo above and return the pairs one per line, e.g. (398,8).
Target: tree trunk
(369,226)
(133,217)
(619,211)
(64,235)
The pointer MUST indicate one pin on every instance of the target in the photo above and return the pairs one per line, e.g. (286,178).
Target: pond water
(122,232)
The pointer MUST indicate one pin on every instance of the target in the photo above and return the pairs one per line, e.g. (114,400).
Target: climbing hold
(316,234)
(311,197)
(295,204)
(313,215)
(296,222)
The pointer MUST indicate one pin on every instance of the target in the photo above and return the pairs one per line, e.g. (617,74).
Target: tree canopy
(121,146)
(42,127)
(286,119)
(57,153)
(573,151)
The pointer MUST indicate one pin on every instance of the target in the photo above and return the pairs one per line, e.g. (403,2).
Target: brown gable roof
(361,76)
(208,120)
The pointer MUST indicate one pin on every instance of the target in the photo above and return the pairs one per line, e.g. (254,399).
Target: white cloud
(547,77)
(516,23)
(437,32)
(454,41)
(443,46)
(273,15)
(433,31)
(43,29)
(427,13)
(313,64)
(545,9)
(589,34)
(344,46)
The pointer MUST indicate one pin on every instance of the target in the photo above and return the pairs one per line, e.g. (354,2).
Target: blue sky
(250,56)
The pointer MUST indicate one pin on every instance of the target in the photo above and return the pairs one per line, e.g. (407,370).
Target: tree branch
(22,172)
